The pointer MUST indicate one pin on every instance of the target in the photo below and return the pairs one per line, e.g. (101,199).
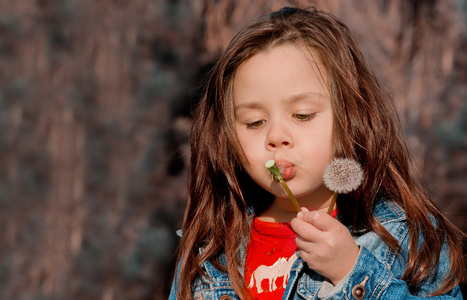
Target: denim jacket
(376,273)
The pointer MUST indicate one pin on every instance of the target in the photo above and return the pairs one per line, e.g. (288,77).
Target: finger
(303,211)
(305,230)
(304,245)
(307,258)
(320,220)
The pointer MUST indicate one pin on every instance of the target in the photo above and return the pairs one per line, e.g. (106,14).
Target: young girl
(294,87)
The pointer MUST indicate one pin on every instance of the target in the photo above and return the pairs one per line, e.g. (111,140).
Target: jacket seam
(380,283)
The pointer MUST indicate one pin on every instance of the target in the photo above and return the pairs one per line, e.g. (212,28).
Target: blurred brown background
(95,100)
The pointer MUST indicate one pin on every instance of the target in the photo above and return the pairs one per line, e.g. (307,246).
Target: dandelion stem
(291,196)
(276,174)
(333,202)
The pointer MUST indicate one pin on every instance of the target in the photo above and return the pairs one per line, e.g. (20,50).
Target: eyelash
(308,117)
(253,126)
(299,117)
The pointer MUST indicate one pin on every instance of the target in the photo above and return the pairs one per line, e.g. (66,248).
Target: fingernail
(300,215)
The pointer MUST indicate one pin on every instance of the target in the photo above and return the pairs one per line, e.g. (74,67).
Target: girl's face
(283,112)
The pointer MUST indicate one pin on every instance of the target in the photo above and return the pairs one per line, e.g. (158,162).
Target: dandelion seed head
(343,175)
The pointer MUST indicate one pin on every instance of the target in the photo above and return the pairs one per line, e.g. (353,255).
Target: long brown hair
(366,127)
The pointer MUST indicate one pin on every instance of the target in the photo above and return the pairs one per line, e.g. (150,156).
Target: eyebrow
(307,95)
(292,99)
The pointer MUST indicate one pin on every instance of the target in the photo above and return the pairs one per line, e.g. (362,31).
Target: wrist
(346,267)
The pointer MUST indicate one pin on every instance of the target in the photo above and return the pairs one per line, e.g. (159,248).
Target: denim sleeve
(172,292)
(371,279)
(173,289)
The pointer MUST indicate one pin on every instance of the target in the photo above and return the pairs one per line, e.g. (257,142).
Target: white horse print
(280,268)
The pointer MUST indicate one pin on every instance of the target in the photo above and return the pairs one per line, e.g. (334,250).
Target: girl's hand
(325,244)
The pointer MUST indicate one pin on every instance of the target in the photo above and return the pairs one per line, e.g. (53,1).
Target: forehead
(280,72)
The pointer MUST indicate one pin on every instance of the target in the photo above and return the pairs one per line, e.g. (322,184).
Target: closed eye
(304,117)
(255,124)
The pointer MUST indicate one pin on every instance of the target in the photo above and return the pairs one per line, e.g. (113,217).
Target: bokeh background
(95,101)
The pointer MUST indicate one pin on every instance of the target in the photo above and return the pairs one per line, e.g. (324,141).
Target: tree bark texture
(95,101)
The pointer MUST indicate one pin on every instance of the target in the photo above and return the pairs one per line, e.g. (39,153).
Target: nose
(279,136)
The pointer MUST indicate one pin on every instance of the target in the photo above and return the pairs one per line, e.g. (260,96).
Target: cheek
(249,143)
(319,149)
(253,161)
(325,138)
(248,151)
(250,158)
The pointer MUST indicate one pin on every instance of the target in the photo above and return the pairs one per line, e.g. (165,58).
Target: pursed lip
(286,167)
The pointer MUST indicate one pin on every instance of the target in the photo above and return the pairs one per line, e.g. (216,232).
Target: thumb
(302,213)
